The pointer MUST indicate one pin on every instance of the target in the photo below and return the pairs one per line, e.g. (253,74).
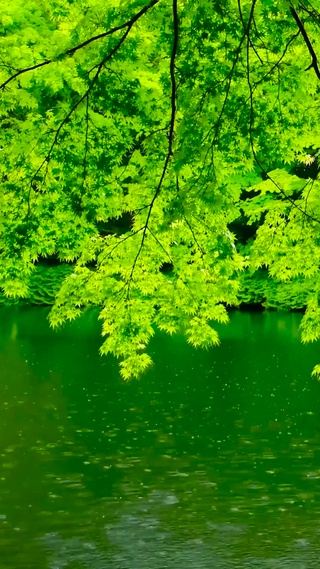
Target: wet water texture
(210,461)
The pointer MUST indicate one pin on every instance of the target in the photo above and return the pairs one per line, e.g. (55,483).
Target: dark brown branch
(85,96)
(308,194)
(25,70)
(217,125)
(159,243)
(307,41)
(137,147)
(276,65)
(263,171)
(202,253)
(170,134)
(113,30)
(72,50)
(106,256)
(278,95)
(258,34)
(246,30)
(73,108)
(85,157)
(82,98)
(312,12)
(109,253)
(172,73)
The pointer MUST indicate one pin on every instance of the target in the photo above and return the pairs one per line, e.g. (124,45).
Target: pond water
(210,461)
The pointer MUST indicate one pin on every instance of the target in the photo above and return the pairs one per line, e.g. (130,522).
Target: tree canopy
(137,139)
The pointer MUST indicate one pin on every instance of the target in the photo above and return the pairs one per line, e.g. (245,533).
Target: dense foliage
(161,149)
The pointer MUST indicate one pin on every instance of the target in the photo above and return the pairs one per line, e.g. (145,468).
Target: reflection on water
(138,540)
(209,461)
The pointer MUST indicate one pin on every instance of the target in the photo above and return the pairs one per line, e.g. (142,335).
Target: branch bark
(314,62)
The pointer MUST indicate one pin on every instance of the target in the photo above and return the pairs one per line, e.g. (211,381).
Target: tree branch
(251,89)
(159,243)
(82,98)
(72,50)
(276,65)
(307,41)
(170,134)
(246,30)
(202,252)
(85,157)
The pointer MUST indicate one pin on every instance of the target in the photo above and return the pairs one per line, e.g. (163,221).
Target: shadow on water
(209,461)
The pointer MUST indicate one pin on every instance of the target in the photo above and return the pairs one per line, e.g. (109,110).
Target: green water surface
(211,460)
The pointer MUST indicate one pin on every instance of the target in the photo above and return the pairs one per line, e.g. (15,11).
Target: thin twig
(288,198)
(73,50)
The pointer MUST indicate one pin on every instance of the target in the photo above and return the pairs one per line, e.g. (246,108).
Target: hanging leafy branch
(158,148)
(175,22)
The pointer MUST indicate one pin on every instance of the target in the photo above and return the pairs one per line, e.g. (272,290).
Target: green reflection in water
(210,460)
